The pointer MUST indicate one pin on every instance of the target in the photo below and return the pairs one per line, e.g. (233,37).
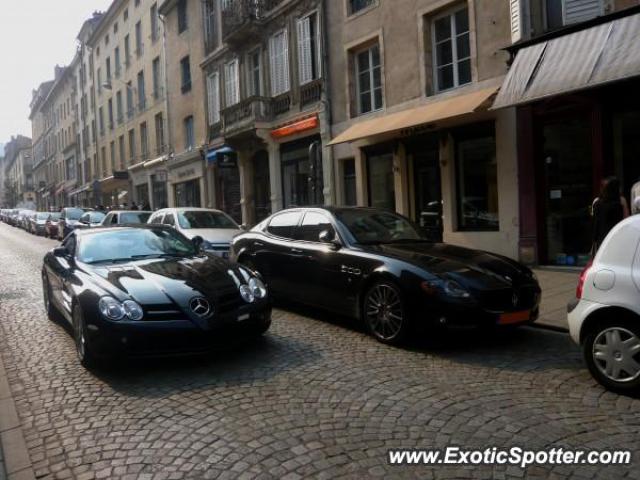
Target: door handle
(258,244)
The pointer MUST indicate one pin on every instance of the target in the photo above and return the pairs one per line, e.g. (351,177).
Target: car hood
(162,283)
(213,235)
(475,269)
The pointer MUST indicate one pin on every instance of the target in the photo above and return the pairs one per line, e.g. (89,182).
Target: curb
(549,327)
(17,462)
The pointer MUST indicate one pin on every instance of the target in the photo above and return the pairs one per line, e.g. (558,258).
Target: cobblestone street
(315,398)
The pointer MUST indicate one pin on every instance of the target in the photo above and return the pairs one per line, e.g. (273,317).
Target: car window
(73,213)
(85,218)
(134,217)
(157,218)
(96,217)
(313,224)
(70,244)
(54,217)
(374,226)
(169,220)
(284,224)
(205,219)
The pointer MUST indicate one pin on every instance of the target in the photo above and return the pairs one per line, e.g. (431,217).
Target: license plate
(244,317)
(514,317)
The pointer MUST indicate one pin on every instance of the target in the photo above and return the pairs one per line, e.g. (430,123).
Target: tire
(83,346)
(52,312)
(385,314)
(612,353)
(259,329)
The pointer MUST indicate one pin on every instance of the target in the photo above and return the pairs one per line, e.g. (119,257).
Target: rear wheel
(52,311)
(385,314)
(612,353)
(83,347)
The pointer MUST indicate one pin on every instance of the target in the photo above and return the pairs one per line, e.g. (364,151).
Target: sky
(35,35)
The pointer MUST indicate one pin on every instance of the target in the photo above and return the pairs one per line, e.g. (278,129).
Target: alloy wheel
(384,312)
(80,339)
(45,293)
(616,354)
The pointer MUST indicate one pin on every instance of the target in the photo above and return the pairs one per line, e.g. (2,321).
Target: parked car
(604,318)
(37,223)
(215,227)
(51,225)
(91,219)
(126,217)
(69,219)
(23,218)
(375,265)
(148,290)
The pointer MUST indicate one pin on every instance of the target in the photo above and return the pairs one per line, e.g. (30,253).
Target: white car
(605,316)
(216,228)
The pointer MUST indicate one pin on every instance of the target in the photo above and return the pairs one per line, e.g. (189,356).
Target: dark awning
(584,59)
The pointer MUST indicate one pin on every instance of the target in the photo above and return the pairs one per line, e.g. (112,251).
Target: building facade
(40,130)
(573,79)
(412,83)
(127,50)
(18,173)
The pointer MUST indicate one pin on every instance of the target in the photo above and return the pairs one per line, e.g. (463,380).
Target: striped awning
(584,59)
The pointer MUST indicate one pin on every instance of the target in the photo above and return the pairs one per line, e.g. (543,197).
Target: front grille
(160,313)
(502,300)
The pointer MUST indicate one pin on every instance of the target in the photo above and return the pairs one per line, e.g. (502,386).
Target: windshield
(133,244)
(134,217)
(204,219)
(55,216)
(42,215)
(96,217)
(73,213)
(370,226)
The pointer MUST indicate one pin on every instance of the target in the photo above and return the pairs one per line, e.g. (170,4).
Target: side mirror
(329,237)
(197,241)
(60,252)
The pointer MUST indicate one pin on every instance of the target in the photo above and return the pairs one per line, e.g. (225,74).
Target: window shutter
(232,87)
(576,11)
(516,20)
(305,57)
(273,63)
(279,53)
(213,92)
(285,62)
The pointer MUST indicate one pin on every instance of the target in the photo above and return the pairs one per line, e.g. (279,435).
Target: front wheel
(385,314)
(52,311)
(612,353)
(83,346)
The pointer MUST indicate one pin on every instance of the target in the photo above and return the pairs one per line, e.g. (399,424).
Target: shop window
(451,49)
(381,181)
(284,224)
(368,79)
(187,194)
(297,175)
(349,182)
(477,179)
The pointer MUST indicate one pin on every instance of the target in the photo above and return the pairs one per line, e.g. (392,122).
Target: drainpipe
(166,83)
(328,121)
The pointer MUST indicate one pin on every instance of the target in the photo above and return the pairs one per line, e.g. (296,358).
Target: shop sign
(296,127)
(228,160)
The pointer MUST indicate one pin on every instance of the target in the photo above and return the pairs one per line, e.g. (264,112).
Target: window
(108,69)
(153,13)
(213,97)
(137,3)
(279,60)
(157,89)
(127,51)
(231,83)
(284,224)
(169,220)
(380,181)
(99,74)
(144,141)
(106,39)
(349,181)
(185,72)
(139,39)
(132,145)
(451,50)
(101,120)
(130,107)
(112,150)
(116,56)
(119,110)
(122,152)
(70,168)
(115,28)
(369,80)
(308,49)
(312,226)
(357,5)
(125,15)
(182,15)
(189,140)
(110,110)
(210,30)
(142,102)
(476,175)
(159,133)
(254,73)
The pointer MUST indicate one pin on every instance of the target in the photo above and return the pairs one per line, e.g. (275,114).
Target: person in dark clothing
(608,211)
(146,206)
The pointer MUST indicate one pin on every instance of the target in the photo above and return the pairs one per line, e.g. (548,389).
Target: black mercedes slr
(376,265)
(148,290)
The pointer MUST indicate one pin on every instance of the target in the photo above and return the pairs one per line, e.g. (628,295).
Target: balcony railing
(282,103)
(245,114)
(243,19)
(311,93)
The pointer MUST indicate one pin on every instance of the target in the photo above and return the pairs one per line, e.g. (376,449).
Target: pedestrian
(146,207)
(134,206)
(608,210)
(635,198)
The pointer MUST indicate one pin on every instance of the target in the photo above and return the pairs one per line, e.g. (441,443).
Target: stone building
(18,173)
(40,133)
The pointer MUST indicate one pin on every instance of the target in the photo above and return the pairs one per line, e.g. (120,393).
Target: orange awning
(432,112)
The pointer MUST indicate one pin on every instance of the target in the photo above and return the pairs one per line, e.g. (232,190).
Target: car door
(61,271)
(273,254)
(323,278)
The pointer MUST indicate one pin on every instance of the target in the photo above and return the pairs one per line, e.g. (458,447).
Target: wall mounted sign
(296,127)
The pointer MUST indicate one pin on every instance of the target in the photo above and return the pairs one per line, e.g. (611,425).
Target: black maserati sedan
(146,291)
(376,265)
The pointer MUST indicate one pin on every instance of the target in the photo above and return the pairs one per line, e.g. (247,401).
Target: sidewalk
(558,288)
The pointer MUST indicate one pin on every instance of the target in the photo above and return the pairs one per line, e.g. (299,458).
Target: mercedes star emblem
(200,306)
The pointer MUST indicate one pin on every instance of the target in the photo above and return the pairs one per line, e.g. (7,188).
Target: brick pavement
(316,398)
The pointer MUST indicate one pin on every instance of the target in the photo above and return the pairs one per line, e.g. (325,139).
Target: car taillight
(583,276)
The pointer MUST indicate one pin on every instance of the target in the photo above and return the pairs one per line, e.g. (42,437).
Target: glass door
(381,182)
(567,166)
(428,189)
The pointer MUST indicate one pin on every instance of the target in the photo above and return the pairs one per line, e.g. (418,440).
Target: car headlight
(111,308)
(258,289)
(247,294)
(450,288)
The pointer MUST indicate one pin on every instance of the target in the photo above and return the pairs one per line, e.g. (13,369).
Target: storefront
(114,190)
(299,173)
(574,130)
(149,183)
(186,184)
